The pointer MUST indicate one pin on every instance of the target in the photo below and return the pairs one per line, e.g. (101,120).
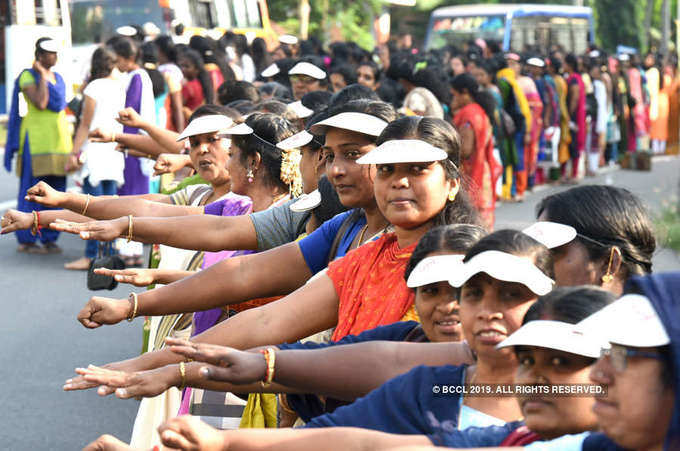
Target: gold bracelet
(34,228)
(135,303)
(113,137)
(183,375)
(87,204)
(129,234)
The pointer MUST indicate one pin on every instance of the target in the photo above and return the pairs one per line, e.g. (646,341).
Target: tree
(618,22)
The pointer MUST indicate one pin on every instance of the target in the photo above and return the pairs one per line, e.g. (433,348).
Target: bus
(517,27)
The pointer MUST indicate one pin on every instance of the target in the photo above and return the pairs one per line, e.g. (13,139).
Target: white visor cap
(536,62)
(206,124)
(629,321)
(271,70)
(300,110)
(49,45)
(554,335)
(434,269)
(309,69)
(288,39)
(355,122)
(306,202)
(296,141)
(240,129)
(551,234)
(403,151)
(505,267)
(127,30)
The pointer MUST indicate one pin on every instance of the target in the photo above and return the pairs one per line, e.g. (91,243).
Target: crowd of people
(322,248)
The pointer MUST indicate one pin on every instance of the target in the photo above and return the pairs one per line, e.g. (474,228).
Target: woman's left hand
(73,163)
(188,433)
(139,384)
(107,443)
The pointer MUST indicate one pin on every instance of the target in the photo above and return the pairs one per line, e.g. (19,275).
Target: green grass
(668,224)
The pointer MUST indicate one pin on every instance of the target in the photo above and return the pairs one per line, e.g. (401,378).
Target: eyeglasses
(302,79)
(618,356)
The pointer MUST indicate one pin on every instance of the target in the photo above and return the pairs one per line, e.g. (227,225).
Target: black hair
(103,62)
(150,63)
(212,53)
(330,202)
(318,140)
(286,50)
(458,238)
(125,48)
(242,106)
(316,100)
(340,51)
(204,79)
(349,73)
(556,63)
(276,107)
(466,82)
(179,29)
(261,57)
(374,67)
(276,91)
(441,134)
(572,61)
(237,90)
(609,215)
(208,110)
(490,66)
(569,304)
(353,92)
(241,45)
(435,81)
(284,65)
(268,129)
(516,243)
(166,46)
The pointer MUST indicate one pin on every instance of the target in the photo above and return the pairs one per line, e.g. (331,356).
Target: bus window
(456,31)
(254,18)
(546,31)
(203,14)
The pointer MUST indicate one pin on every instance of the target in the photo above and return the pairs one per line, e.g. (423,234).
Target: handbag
(109,261)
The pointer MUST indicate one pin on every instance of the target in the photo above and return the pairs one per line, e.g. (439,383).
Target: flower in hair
(290,171)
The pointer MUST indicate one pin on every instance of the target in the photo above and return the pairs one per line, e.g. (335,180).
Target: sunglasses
(619,355)
(302,79)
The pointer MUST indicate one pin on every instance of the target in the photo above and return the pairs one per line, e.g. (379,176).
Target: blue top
(475,437)
(316,247)
(404,405)
(392,332)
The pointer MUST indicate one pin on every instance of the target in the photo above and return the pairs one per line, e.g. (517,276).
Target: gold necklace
(361,235)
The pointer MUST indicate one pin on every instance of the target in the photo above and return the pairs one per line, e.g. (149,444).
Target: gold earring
(452,195)
(608,277)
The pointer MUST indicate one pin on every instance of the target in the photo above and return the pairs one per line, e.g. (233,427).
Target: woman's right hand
(136,384)
(100,136)
(139,277)
(130,118)
(170,162)
(14,220)
(99,311)
(226,364)
(43,194)
(79,382)
(189,433)
(106,230)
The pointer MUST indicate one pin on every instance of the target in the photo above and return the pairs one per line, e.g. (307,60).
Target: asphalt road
(42,342)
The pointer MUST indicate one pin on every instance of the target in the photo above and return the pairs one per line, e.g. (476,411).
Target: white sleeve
(601,97)
(564,443)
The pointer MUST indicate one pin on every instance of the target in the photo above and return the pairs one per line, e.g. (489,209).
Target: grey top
(278,226)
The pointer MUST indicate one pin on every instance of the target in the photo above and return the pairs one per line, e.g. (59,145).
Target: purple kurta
(136,182)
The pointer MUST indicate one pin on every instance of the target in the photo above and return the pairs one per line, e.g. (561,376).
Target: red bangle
(37,213)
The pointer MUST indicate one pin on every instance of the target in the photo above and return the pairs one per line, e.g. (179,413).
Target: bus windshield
(456,31)
(94,20)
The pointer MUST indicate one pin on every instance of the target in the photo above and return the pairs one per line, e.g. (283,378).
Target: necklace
(361,235)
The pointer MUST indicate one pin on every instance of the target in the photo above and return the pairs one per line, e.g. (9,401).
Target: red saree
(371,288)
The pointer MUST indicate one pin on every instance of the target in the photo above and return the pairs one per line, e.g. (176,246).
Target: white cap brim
(356,122)
(300,110)
(434,269)
(288,39)
(629,321)
(594,53)
(537,62)
(624,57)
(505,267)
(403,151)
(271,70)
(206,124)
(555,335)
(296,141)
(240,129)
(49,45)
(551,234)
(309,69)
(306,202)
(127,30)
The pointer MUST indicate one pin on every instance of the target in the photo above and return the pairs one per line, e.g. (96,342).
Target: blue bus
(517,27)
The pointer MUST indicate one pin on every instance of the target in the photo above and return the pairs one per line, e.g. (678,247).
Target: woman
(102,171)
(413,198)
(533,96)
(368,74)
(613,239)
(167,65)
(421,102)
(673,145)
(472,109)
(576,105)
(261,57)
(41,137)
(198,88)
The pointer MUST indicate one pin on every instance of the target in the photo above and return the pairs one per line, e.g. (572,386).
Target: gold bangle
(87,204)
(129,234)
(135,303)
(34,228)
(183,375)
(113,137)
